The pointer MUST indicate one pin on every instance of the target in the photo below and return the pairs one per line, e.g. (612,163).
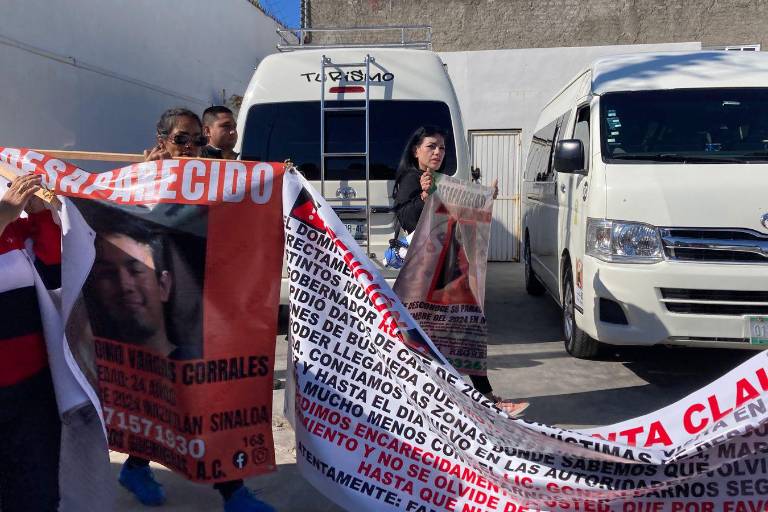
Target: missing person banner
(174,312)
(384,423)
(444,287)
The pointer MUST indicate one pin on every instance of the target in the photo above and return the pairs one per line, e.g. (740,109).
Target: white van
(646,202)
(343,117)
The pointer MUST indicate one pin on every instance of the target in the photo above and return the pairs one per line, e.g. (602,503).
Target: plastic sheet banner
(384,423)
(175,315)
(443,281)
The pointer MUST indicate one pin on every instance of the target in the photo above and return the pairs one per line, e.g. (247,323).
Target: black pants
(482,384)
(225,488)
(30,441)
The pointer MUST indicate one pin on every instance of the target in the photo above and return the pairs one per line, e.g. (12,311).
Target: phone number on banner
(467,364)
(195,448)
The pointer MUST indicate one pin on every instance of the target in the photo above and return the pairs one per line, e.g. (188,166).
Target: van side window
(540,164)
(551,161)
(581,131)
(539,154)
(560,124)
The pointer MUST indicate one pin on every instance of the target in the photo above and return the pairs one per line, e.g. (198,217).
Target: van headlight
(623,242)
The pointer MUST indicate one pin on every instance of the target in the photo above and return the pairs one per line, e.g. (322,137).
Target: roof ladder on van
(327,64)
(417,37)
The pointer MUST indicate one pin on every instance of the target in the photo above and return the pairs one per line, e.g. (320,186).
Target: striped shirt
(22,344)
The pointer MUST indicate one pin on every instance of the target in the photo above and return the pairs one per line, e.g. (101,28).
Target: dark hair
(106,220)
(168,120)
(408,161)
(209,115)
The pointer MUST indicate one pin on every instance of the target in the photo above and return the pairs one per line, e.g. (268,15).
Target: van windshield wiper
(674,157)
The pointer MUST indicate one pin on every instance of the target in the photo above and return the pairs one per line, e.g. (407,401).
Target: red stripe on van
(349,88)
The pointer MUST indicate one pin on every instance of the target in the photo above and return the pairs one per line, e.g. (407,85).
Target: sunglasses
(182,139)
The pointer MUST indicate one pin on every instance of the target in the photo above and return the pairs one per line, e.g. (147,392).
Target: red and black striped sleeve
(46,244)
(22,343)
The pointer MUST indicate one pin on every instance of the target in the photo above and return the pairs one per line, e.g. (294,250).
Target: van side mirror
(569,156)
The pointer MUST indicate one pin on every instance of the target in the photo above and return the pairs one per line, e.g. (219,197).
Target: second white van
(645,202)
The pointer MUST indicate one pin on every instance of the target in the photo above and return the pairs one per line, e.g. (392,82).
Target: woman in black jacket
(422,157)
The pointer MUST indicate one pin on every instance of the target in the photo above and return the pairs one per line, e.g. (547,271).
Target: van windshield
(685,125)
(275,132)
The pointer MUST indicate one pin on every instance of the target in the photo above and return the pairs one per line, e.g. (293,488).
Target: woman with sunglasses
(180,135)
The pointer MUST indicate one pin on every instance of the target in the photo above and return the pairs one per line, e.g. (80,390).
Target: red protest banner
(176,320)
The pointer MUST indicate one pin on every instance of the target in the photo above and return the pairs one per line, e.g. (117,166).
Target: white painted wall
(96,74)
(506,89)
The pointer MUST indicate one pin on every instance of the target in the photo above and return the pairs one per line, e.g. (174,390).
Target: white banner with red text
(383,422)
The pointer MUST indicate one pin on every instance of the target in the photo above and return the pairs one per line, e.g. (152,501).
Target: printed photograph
(146,284)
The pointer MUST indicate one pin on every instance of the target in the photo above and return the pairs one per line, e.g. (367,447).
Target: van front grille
(717,245)
(714,302)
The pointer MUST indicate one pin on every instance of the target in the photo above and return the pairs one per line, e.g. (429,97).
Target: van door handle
(562,188)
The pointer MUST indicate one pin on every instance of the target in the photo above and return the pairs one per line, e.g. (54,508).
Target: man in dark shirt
(220,128)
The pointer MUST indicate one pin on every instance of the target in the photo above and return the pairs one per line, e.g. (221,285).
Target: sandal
(510,407)
(513,409)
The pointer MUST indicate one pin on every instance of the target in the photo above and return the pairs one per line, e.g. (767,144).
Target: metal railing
(300,39)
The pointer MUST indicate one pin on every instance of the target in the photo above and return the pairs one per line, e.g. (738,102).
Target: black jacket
(408,203)
(211,152)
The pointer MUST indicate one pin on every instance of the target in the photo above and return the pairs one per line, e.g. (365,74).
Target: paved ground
(526,360)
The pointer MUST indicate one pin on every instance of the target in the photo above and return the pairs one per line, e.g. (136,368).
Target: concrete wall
(492,24)
(95,75)
(506,89)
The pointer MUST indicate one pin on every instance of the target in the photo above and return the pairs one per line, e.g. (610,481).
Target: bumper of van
(643,292)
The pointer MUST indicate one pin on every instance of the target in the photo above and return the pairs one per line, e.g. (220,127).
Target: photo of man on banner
(132,284)
(454,281)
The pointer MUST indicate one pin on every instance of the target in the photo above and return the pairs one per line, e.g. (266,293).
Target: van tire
(283,313)
(532,284)
(577,343)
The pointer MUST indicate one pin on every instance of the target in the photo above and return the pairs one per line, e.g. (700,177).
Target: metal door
(497,154)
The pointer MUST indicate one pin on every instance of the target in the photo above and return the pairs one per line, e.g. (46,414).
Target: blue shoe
(245,500)
(141,482)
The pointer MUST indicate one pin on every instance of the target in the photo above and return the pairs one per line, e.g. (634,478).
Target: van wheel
(532,284)
(577,342)
(283,312)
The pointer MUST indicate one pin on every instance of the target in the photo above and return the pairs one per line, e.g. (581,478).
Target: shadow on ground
(527,360)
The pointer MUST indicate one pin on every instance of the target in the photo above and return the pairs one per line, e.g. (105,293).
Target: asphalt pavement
(526,360)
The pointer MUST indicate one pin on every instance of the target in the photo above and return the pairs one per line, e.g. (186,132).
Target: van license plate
(356,230)
(758,330)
